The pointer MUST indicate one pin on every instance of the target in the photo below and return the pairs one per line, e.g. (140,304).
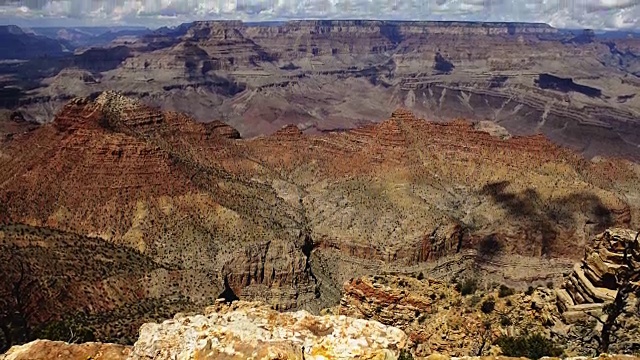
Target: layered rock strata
(594,281)
(605,282)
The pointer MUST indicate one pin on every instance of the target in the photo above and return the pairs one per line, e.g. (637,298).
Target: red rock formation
(266,218)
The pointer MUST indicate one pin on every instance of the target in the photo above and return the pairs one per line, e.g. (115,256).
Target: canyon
(578,89)
(116,213)
(325,183)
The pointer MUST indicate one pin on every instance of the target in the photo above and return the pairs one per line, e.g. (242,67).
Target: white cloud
(560,13)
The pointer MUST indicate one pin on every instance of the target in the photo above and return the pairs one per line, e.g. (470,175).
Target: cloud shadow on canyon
(543,220)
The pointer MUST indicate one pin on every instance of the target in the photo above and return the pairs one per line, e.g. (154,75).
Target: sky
(595,14)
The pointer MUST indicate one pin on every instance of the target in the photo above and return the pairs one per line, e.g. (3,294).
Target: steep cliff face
(145,184)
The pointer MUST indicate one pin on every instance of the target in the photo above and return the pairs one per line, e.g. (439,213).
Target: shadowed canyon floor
(579,91)
(142,212)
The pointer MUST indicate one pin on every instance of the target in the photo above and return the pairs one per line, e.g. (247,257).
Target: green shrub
(530,346)
(488,305)
(529,291)
(468,286)
(475,299)
(505,291)
(505,321)
(405,355)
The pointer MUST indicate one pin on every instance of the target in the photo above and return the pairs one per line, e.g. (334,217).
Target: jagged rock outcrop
(593,282)
(605,283)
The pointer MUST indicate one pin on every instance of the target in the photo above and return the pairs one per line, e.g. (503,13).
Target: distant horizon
(283,21)
(561,14)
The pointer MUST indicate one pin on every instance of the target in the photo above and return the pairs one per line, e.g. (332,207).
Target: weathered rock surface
(239,331)
(49,350)
(249,331)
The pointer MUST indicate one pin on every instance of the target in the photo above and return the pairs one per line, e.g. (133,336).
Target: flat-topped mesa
(215,30)
(431,27)
(593,282)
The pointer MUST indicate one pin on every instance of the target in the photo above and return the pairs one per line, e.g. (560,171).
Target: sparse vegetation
(65,331)
(532,346)
(475,300)
(505,321)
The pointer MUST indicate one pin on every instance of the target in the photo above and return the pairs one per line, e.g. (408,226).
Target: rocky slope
(324,75)
(470,319)
(192,213)
(439,320)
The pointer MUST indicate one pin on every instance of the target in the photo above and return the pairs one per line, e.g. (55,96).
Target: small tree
(468,286)
(21,299)
(16,311)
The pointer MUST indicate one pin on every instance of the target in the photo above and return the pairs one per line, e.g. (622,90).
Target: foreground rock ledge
(243,330)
